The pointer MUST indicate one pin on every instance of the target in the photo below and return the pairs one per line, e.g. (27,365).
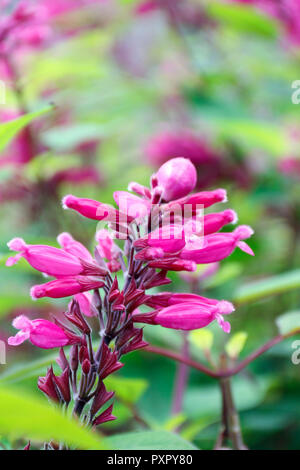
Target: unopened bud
(86,366)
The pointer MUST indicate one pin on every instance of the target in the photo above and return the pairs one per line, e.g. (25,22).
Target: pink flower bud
(193,315)
(47,259)
(219,246)
(65,287)
(86,366)
(214,222)
(41,333)
(177,177)
(85,304)
(74,247)
(89,208)
(134,206)
(169,238)
(139,189)
(199,200)
(174,265)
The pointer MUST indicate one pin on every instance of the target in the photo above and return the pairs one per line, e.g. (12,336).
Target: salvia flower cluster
(148,235)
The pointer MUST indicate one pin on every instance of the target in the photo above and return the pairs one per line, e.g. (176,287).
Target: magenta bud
(74,358)
(86,366)
(83,354)
(177,177)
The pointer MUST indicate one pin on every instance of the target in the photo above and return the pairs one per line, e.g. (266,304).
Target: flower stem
(182,373)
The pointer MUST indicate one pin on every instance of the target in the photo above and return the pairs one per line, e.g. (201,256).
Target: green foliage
(202,339)
(9,129)
(150,440)
(236,344)
(29,417)
(288,322)
(260,289)
(243,18)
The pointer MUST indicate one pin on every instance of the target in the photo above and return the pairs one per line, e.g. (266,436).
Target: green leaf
(243,18)
(271,286)
(202,339)
(9,129)
(128,390)
(27,370)
(236,344)
(255,134)
(25,416)
(288,322)
(150,440)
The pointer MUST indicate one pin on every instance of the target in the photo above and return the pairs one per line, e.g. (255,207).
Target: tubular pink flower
(169,238)
(65,287)
(74,247)
(177,177)
(84,300)
(166,299)
(42,333)
(139,189)
(132,205)
(108,249)
(214,222)
(219,246)
(47,259)
(174,265)
(89,208)
(204,198)
(192,315)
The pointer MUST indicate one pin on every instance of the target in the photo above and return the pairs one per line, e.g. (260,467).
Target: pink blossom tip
(231,216)
(69,201)
(221,195)
(225,307)
(243,231)
(16,244)
(36,292)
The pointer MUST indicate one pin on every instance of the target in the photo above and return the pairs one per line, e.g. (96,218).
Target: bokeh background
(135,83)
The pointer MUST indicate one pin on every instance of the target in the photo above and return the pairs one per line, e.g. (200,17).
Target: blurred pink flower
(212,166)
(290,166)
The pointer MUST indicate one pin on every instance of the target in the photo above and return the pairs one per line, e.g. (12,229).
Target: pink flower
(86,306)
(66,287)
(108,249)
(74,247)
(41,333)
(214,222)
(165,299)
(89,208)
(191,315)
(132,205)
(195,201)
(219,246)
(169,238)
(47,259)
(177,177)
(174,264)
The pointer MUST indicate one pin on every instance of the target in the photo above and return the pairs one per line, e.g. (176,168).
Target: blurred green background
(135,83)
